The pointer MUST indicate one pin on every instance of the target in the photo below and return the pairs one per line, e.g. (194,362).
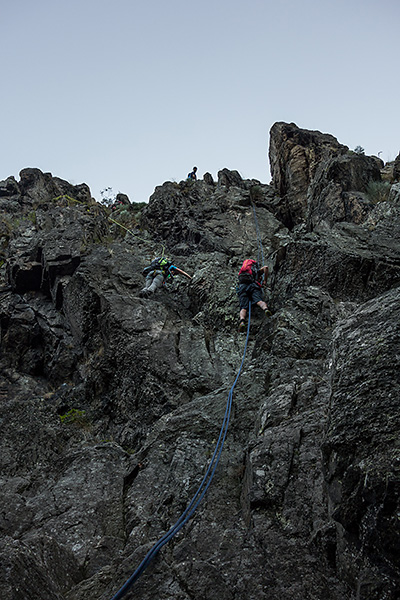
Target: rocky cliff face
(112,403)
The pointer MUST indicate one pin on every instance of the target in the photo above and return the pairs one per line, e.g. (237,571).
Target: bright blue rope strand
(200,493)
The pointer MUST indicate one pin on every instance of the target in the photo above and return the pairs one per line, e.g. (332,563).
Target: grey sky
(128,94)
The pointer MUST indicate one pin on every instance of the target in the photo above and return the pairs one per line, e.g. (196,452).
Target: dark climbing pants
(249,292)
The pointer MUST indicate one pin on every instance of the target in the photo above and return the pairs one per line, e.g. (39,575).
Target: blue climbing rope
(207,479)
(201,490)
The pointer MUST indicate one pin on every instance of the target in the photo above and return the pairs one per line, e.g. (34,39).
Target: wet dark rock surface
(111,404)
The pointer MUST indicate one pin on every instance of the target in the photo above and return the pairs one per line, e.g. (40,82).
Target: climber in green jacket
(157,273)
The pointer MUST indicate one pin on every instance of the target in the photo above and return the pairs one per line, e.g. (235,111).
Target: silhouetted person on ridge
(192,175)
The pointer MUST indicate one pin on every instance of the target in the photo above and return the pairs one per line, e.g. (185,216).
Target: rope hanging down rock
(206,481)
(201,490)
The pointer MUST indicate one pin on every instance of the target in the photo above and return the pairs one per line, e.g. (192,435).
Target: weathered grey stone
(337,190)
(37,187)
(208,178)
(319,180)
(394,195)
(9,187)
(295,155)
(396,168)
(40,570)
(122,199)
(191,217)
(361,449)
(112,403)
(229,178)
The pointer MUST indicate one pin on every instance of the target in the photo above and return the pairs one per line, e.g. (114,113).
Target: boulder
(320,182)
(36,186)
(294,156)
(339,190)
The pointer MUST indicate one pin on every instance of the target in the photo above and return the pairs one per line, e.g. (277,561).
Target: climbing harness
(201,490)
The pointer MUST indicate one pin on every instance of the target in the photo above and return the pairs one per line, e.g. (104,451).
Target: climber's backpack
(158,264)
(248,271)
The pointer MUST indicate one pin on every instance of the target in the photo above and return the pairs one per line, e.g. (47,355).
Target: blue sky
(128,94)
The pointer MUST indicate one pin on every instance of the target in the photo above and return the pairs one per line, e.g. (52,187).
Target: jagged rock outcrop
(396,168)
(295,155)
(338,191)
(319,180)
(212,216)
(112,403)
